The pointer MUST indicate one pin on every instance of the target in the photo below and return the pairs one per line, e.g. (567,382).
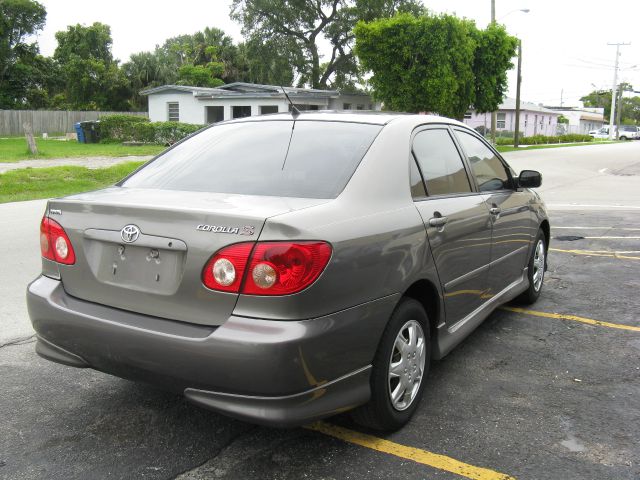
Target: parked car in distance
(283,269)
(600,133)
(629,132)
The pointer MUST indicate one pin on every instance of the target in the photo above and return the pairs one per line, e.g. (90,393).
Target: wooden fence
(48,121)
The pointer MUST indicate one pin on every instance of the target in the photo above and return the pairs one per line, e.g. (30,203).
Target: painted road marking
(561,205)
(597,253)
(575,318)
(613,238)
(598,228)
(435,460)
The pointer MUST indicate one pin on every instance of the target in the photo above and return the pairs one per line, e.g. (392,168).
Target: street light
(494,115)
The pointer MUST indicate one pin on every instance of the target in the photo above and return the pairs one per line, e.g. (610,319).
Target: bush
(119,128)
(543,139)
(130,128)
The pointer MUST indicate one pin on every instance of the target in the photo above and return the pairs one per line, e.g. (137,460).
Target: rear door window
(489,172)
(440,163)
(308,159)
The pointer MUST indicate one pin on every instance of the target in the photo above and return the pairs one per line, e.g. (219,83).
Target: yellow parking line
(574,318)
(435,460)
(596,253)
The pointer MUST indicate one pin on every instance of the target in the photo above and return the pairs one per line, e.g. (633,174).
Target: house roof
(510,104)
(247,90)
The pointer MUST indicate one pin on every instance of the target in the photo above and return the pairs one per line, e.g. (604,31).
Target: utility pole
(516,134)
(619,111)
(561,96)
(494,115)
(614,89)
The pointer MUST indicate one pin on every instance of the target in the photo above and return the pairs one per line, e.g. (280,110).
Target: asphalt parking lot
(549,392)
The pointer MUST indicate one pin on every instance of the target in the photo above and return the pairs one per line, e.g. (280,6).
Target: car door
(511,215)
(456,220)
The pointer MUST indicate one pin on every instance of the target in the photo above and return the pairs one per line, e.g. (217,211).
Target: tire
(537,266)
(382,413)
(624,139)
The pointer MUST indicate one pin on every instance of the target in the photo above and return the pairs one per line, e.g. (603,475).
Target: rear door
(511,216)
(456,220)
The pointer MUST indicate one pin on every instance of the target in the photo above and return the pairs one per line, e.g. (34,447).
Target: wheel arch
(426,292)
(546,229)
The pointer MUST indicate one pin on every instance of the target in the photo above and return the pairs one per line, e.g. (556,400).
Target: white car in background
(600,133)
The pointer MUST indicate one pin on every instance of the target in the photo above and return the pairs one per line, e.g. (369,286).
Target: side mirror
(529,179)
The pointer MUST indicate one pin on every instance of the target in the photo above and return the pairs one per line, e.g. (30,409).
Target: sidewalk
(89,162)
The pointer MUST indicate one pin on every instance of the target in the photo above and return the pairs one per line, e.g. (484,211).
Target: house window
(468,115)
(359,107)
(370,107)
(549,120)
(215,114)
(526,120)
(501,120)
(173,109)
(241,111)
(346,106)
(266,109)
(313,107)
(542,120)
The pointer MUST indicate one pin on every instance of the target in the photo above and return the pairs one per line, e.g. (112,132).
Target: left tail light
(54,243)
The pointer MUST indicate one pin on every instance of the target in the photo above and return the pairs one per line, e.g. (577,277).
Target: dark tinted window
(488,170)
(440,163)
(417,185)
(251,158)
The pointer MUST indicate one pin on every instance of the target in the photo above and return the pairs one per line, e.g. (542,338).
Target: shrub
(543,139)
(130,128)
(119,128)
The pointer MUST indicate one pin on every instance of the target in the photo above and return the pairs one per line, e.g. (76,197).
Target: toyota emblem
(130,233)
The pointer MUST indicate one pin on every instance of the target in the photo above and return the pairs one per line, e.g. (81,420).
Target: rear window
(308,159)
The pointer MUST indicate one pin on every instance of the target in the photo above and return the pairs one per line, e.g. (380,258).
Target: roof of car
(362,116)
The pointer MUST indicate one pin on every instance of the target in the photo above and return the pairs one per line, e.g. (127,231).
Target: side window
(440,163)
(488,170)
(417,185)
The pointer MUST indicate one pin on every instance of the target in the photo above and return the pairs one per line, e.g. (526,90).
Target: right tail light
(266,268)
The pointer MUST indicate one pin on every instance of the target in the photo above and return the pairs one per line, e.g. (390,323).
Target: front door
(457,223)
(513,228)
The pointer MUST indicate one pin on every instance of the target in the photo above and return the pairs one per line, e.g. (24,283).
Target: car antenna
(294,110)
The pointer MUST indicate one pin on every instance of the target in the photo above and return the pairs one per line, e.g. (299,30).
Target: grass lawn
(33,183)
(15,148)
(509,148)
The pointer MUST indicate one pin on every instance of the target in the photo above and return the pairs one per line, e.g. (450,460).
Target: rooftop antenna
(294,110)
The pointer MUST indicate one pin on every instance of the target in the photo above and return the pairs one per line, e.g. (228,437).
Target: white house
(581,119)
(534,119)
(202,105)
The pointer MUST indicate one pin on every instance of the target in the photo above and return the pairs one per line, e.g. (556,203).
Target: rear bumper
(279,373)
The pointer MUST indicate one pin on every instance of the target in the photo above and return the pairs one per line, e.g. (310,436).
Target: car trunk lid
(159,272)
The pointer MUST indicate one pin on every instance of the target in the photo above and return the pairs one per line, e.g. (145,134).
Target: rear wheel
(537,267)
(399,369)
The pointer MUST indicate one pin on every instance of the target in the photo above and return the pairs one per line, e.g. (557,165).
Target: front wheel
(399,369)
(537,266)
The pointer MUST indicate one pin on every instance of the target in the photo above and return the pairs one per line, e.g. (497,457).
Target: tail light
(266,268)
(54,243)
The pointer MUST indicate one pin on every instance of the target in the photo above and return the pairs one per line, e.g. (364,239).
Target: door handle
(437,221)
(494,211)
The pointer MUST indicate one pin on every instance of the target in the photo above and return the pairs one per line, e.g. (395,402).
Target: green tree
(301,25)
(20,73)
(435,63)
(602,99)
(91,77)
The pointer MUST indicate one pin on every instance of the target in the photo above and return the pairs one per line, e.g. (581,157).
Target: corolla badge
(130,233)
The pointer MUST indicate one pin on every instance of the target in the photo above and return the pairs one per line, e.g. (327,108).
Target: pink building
(534,119)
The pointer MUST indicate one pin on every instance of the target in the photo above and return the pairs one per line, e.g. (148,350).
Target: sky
(565,52)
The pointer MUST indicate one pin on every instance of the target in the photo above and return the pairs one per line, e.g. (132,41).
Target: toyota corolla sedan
(283,269)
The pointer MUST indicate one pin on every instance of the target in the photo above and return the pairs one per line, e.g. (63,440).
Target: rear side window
(308,159)
(489,172)
(440,163)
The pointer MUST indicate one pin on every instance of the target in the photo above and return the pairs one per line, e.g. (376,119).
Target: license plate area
(145,268)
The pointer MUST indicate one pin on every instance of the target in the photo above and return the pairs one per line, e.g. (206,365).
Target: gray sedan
(283,269)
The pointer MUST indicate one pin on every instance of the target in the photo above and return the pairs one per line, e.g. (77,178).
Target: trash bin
(79,132)
(90,131)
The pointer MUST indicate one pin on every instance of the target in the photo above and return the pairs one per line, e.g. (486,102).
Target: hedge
(543,139)
(130,128)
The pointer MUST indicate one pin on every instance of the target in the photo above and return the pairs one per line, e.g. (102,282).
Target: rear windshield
(308,159)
